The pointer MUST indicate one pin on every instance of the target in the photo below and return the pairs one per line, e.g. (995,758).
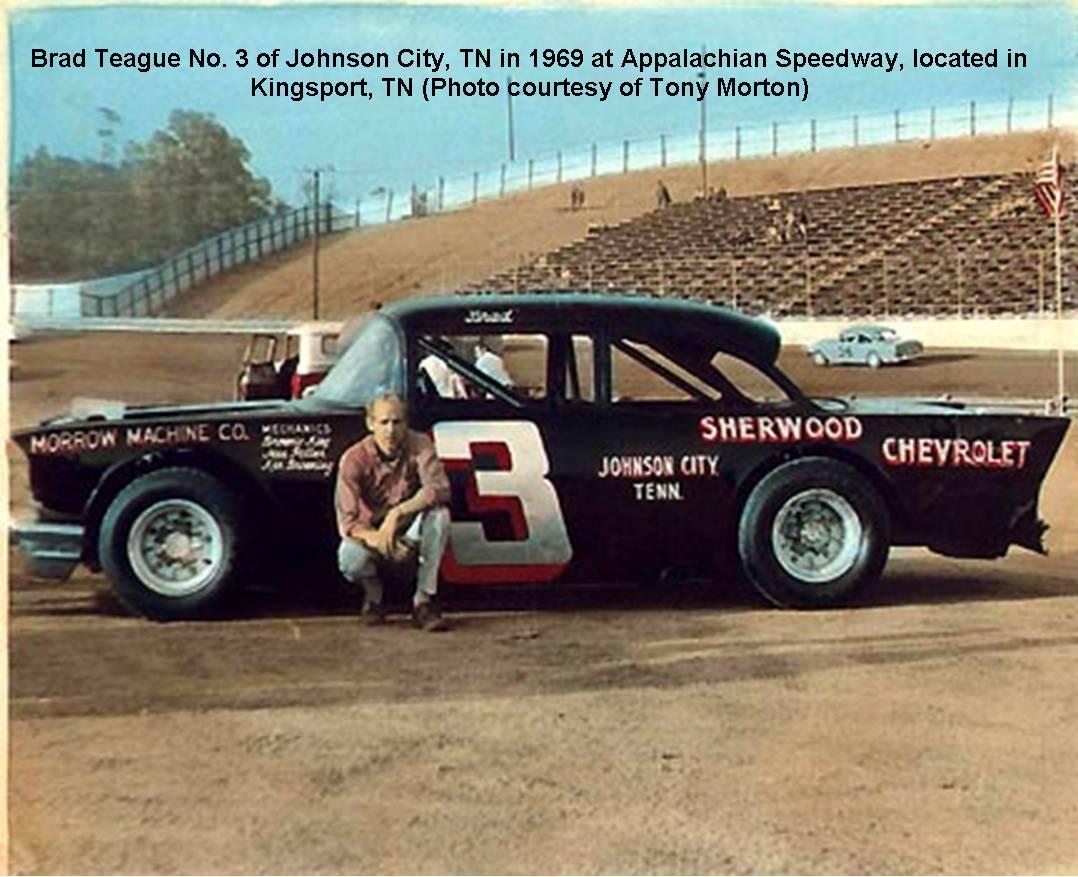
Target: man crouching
(391,500)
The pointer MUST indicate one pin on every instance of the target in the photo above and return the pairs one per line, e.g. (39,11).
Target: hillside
(450,250)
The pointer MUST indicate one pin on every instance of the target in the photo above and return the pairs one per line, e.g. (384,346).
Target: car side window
(748,380)
(456,367)
(579,378)
(640,373)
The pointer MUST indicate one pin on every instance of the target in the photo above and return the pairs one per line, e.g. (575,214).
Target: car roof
(680,322)
(868,328)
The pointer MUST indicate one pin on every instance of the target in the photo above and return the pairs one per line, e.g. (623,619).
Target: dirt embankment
(439,252)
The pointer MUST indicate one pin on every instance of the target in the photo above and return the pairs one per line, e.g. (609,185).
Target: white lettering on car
(775,429)
(519,487)
(955,453)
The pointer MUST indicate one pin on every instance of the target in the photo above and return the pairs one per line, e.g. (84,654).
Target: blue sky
(388,141)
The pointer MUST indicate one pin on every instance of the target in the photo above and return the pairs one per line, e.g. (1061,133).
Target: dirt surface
(678,729)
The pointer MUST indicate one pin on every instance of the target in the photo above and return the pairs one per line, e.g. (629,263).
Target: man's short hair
(388,396)
(493,343)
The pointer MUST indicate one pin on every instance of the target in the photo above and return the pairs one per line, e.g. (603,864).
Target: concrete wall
(1014,334)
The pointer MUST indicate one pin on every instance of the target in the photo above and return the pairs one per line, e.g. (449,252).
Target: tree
(186,183)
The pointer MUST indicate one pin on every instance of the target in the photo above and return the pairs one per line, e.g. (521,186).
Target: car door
(846,348)
(502,445)
(655,497)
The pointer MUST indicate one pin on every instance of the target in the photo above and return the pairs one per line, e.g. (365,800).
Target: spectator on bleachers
(789,223)
(803,224)
(662,196)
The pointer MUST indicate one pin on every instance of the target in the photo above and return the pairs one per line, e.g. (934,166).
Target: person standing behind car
(447,383)
(391,497)
(488,360)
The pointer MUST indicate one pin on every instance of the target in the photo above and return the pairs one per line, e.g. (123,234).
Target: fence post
(531,172)
(1010,112)
(501,189)
(595,157)
(247,243)
(856,131)
(389,204)
(737,142)
(625,157)
(175,265)
(932,123)
(972,118)
(559,165)
(1051,101)
(475,187)
(441,194)
(662,150)
(812,135)
(774,138)
(220,253)
(359,219)
(258,240)
(898,127)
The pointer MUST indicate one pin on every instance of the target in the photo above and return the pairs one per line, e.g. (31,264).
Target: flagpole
(1059,310)
(1059,284)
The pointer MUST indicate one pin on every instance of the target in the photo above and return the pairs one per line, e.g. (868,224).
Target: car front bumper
(53,550)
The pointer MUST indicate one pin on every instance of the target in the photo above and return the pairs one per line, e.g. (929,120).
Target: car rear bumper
(52,549)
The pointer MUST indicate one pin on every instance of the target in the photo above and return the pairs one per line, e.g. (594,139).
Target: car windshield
(373,364)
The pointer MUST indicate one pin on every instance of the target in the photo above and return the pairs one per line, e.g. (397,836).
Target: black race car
(617,438)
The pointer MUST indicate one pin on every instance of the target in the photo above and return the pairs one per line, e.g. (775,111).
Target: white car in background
(869,345)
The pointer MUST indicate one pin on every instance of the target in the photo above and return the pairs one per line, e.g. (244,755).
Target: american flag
(1048,187)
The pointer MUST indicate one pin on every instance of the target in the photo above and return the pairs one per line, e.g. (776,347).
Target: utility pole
(703,136)
(314,266)
(512,139)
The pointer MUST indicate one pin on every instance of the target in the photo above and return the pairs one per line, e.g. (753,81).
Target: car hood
(91,412)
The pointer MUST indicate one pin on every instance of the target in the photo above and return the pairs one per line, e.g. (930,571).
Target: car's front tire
(819,358)
(170,543)
(874,360)
(812,533)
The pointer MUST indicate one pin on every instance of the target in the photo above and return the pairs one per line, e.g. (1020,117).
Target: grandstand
(922,228)
(967,246)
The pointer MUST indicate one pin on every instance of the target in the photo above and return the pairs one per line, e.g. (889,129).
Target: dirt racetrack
(682,729)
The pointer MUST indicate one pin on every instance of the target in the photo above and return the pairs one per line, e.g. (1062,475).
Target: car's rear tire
(874,360)
(812,533)
(171,543)
(819,359)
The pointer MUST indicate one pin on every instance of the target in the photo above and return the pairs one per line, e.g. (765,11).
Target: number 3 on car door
(517,486)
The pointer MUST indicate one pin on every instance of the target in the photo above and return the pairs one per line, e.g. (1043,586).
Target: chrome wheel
(816,536)
(175,547)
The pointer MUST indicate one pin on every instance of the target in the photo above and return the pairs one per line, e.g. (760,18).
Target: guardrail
(235,247)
